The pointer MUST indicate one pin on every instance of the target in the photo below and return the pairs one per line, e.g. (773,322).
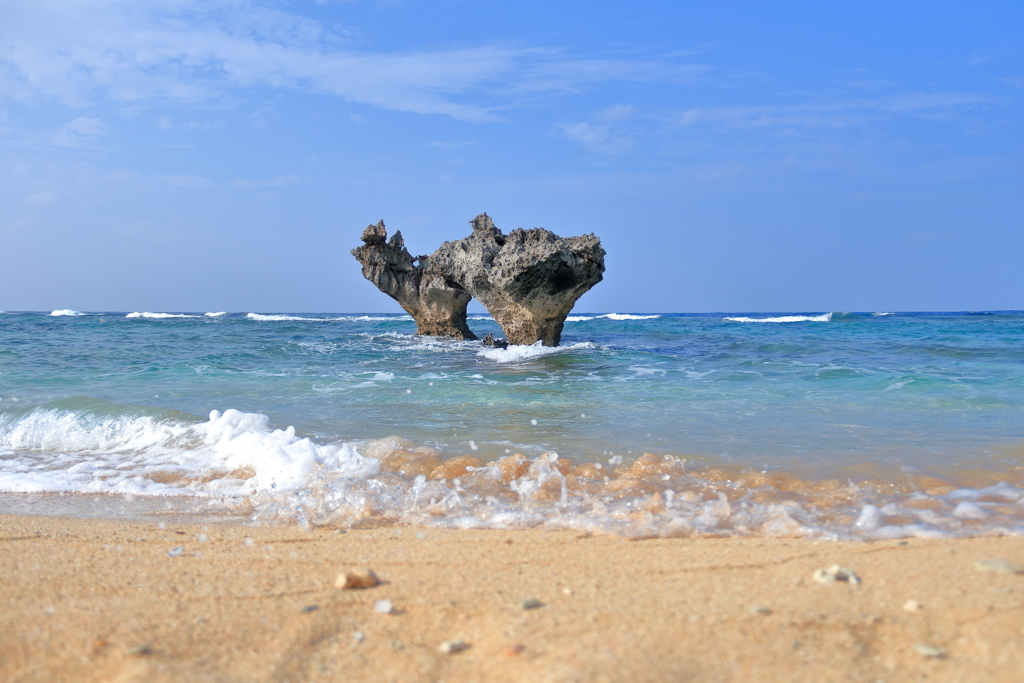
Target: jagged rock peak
(484,227)
(375,234)
(529,280)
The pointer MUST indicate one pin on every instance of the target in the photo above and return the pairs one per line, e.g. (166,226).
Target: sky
(732,155)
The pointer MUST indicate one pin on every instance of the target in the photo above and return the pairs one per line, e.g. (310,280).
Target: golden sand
(88,600)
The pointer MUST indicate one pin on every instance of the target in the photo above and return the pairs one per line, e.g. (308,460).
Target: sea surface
(831,425)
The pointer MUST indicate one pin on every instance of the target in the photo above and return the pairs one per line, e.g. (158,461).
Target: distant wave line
(827,317)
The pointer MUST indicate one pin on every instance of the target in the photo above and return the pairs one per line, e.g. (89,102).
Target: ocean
(824,424)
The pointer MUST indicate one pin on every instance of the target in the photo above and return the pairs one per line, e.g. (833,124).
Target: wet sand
(103,600)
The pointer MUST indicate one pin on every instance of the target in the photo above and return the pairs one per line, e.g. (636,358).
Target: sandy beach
(98,600)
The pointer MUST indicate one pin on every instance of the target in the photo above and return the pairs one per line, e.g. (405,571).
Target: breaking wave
(516,353)
(609,316)
(65,311)
(827,317)
(237,461)
(159,316)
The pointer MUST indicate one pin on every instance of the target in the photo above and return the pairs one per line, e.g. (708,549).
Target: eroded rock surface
(413,282)
(528,280)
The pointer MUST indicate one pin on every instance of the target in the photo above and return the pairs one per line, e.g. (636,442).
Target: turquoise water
(121,403)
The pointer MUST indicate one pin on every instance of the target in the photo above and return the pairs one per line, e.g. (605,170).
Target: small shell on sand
(1002,566)
(835,573)
(349,580)
(912,606)
(759,609)
(930,652)
(450,647)
(384,607)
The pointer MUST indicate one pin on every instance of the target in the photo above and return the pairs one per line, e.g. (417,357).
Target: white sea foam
(373,318)
(235,457)
(785,319)
(65,311)
(158,316)
(609,316)
(216,315)
(516,353)
(269,318)
(232,454)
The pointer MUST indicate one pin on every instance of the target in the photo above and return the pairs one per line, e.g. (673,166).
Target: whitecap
(268,318)
(233,453)
(216,315)
(371,318)
(158,316)
(515,353)
(65,311)
(628,316)
(784,319)
(610,316)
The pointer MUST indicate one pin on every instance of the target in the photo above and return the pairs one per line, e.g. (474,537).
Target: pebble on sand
(450,647)
(930,652)
(350,580)
(912,606)
(530,603)
(175,552)
(835,573)
(758,609)
(384,607)
(1002,566)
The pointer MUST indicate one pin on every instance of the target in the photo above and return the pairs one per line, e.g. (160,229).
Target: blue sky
(178,155)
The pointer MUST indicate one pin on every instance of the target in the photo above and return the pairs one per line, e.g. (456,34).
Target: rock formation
(437,308)
(528,280)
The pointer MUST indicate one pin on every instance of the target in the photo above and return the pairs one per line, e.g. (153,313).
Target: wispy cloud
(835,113)
(596,137)
(147,51)
(81,131)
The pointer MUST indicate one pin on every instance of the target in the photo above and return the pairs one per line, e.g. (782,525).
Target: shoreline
(103,600)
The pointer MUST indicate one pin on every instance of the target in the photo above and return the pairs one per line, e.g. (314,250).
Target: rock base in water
(438,309)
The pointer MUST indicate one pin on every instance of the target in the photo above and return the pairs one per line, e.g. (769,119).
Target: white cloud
(145,51)
(616,112)
(81,131)
(87,125)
